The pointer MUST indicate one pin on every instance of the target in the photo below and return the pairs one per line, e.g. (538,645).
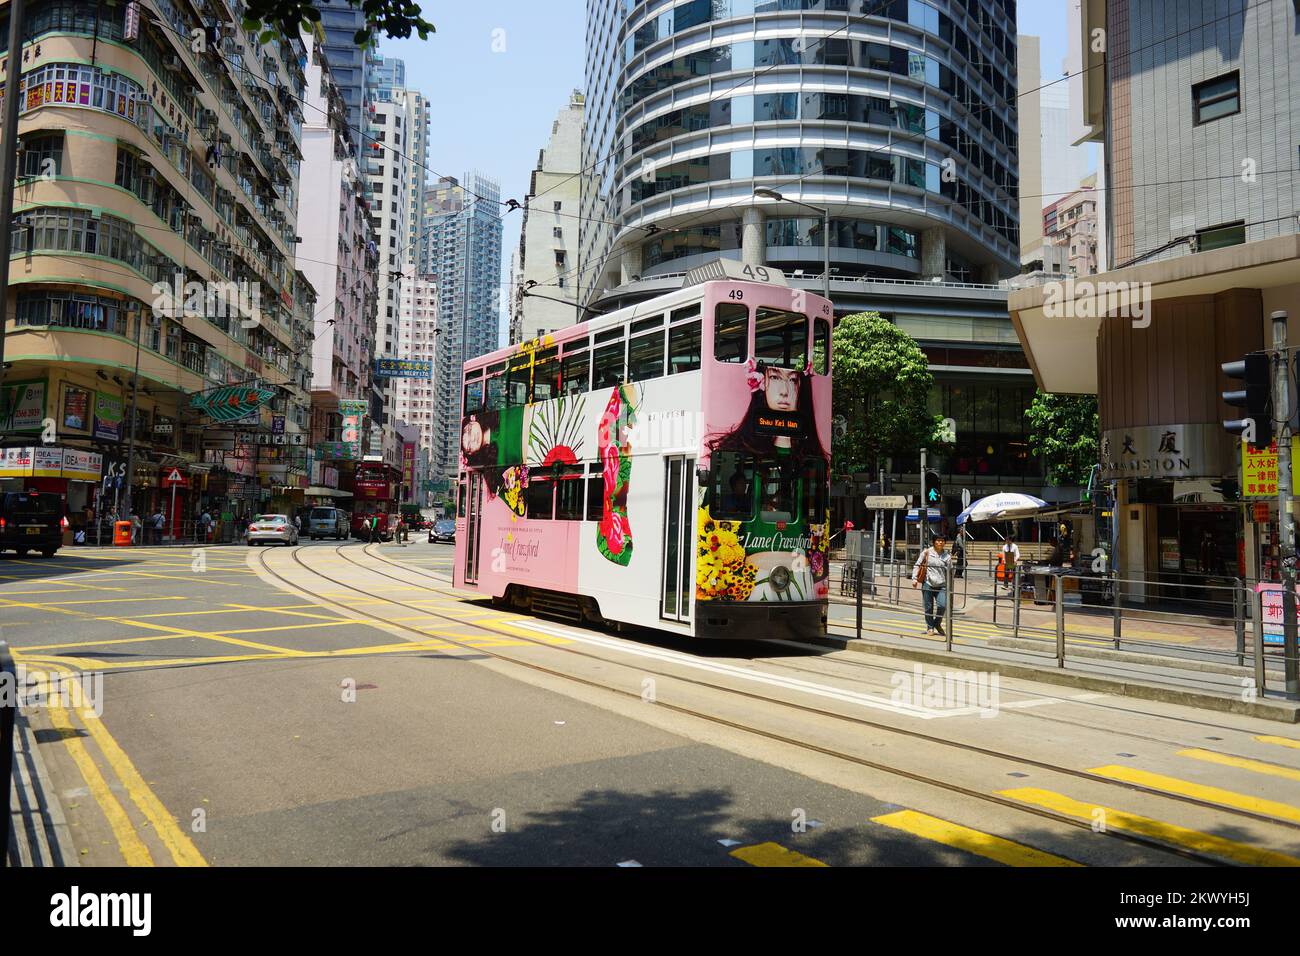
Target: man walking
(930,574)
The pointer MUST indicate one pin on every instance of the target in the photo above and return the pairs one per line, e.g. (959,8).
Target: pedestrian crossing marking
(773,854)
(972,841)
(1155,829)
(1242,763)
(1227,798)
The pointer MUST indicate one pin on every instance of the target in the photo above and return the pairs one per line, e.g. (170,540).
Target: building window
(1217,237)
(42,155)
(1216,98)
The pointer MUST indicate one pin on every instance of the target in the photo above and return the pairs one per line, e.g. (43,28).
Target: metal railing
(1224,632)
(8,721)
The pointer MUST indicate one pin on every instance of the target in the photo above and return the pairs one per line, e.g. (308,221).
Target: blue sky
(498,71)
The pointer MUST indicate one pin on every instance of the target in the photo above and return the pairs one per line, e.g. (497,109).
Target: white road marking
(857,698)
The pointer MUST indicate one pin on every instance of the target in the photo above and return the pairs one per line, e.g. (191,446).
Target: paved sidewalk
(38,832)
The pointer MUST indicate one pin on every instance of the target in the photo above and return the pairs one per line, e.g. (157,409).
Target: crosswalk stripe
(1242,763)
(1155,829)
(972,841)
(1279,741)
(773,854)
(1227,798)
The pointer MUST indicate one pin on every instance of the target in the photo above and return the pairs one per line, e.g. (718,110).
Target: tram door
(473,519)
(679,539)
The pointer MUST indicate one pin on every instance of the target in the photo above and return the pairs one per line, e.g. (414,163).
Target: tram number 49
(756,273)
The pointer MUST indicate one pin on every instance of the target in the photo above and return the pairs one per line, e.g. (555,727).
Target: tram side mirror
(702,476)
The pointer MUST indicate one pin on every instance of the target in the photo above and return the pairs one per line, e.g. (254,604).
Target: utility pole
(1286,528)
(9,163)
(923,513)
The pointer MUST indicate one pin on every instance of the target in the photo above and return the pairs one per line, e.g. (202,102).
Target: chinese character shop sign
(232,402)
(1259,470)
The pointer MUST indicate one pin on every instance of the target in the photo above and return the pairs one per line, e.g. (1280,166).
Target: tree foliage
(1063,431)
(881,384)
(393,18)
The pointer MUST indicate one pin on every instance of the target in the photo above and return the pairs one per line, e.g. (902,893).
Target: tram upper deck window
(518,382)
(473,397)
(821,347)
(546,375)
(733,486)
(731,333)
(495,396)
(575,375)
(684,347)
(607,365)
(645,357)
(781,338)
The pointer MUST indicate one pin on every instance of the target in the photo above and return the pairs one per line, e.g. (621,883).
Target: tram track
(866,665)
(916,777)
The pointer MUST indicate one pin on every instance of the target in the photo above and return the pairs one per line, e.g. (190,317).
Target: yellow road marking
(1228,798)
(134,852)
(120,600)
(1242,763)
(290,610)
(773,854)
(972,841)
(177,842)
(103,643)
(1280,741)
(181,632)
(1155,829)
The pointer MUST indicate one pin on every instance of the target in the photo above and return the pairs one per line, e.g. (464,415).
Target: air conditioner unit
(172,62)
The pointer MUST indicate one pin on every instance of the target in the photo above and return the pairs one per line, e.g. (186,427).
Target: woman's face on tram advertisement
(471,437)
(781,386)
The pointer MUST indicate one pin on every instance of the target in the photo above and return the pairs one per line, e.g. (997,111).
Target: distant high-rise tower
(461,252)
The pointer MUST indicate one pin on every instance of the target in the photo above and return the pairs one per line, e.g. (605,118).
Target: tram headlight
(779,578)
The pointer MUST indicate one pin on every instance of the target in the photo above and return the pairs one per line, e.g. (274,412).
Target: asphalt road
(343,705)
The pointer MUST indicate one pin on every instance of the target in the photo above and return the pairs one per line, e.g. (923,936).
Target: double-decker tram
(662,466)
(374,494)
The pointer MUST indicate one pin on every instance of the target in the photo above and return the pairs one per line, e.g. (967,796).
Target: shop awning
(320,492)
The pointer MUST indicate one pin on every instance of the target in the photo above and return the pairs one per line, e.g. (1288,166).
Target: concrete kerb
(1287,712)
(39,834)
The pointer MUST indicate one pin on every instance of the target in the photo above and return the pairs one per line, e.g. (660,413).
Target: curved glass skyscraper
(898,116)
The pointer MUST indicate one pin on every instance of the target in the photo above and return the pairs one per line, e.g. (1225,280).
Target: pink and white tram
(662,466)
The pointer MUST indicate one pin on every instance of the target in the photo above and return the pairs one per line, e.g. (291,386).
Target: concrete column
(988,274)
(934,253)
(629,263)
(753,238)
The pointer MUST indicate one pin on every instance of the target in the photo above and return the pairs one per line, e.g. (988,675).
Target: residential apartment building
(415,398)
(340,257)
(461,253)
(548,236)
(154,242)
(1070,225)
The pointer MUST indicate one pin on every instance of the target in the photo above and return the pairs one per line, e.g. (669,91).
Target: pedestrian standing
(205,525)
(159,520)
(297,523)
(930,574)
(136,526)
(1010,558)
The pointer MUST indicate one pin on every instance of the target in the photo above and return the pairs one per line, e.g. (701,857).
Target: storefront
(73,473)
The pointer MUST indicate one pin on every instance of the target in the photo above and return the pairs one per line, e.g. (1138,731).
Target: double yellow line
(135,852)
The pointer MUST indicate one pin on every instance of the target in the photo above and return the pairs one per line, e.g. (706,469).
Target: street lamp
(765,193)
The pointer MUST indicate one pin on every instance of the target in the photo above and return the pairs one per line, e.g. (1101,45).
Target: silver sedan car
(277,529)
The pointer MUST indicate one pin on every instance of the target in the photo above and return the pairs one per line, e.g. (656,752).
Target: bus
(663,466)
(374,492)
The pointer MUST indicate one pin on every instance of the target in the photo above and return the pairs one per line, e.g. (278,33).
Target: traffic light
(933,492)
(1254,372)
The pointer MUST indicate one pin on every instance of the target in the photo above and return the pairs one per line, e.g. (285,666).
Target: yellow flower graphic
(720,568)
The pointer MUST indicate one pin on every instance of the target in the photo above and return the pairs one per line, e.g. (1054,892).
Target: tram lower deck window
(540,496)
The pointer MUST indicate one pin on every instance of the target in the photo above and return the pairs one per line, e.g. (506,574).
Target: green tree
(881,385)
(281,18)
(1063,431)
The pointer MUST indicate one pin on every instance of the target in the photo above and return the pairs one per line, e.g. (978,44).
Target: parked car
(326,522)
(276,529)
(444,529)
(31,521)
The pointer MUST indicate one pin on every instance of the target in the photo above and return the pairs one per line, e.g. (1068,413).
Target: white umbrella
(1003,506)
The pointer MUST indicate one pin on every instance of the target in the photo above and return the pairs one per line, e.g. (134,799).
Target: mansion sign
(1164,451)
